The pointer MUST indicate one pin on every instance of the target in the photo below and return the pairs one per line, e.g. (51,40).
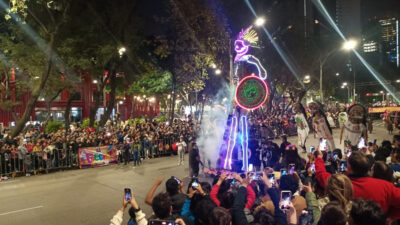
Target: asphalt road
(93,196)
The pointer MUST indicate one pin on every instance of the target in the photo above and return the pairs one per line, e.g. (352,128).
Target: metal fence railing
(14,164)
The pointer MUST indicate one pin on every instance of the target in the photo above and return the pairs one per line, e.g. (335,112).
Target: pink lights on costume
(264,99)
(231,143)
(241,49)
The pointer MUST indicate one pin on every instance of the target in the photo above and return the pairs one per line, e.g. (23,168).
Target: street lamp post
(321,65)
(346,85)
(348,45)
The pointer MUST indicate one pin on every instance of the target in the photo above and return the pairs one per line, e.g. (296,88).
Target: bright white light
(218,71)
(121,51)
(337,74)
(397,81)
(169,96)
(36,77)
(349,45)
(121,102)
(224,99)
(342,87)
(259,21)
(388,94)
(307,77)
(316,21)
(94,81)
(214,66)
(152,99)
(144,96)
(381,92)
(345,84)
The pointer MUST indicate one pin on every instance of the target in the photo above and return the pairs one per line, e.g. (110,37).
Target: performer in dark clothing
(194,159)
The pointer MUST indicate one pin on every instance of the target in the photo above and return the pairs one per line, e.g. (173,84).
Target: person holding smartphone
(129,198)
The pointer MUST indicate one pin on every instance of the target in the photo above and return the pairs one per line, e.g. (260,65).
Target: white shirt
(181,145)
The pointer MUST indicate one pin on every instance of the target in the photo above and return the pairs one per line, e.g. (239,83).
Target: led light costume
(251,93)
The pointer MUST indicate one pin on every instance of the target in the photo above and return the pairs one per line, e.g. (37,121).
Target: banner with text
(97,156)
(383,109)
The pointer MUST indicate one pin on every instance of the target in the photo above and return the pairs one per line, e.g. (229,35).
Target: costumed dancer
(320,125)
(302,125)
(355,127)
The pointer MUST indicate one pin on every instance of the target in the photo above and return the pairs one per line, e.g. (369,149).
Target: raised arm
(149,197)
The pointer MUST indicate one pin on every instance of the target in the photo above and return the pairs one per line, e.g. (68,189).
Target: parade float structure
(251,92)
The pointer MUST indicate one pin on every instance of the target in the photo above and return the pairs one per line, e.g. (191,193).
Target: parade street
(93,196)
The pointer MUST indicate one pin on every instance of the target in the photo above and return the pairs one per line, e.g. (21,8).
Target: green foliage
(54,126)
(197,37)
(86,122)
(161,119)
(139,120)
(150,84)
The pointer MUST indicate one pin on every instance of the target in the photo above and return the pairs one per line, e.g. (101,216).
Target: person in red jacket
(251,195)
(382,192)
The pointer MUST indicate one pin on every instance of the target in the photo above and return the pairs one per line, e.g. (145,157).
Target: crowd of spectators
(35,151)
(359,188)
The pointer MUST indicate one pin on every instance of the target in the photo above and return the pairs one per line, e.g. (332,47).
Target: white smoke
(213,126)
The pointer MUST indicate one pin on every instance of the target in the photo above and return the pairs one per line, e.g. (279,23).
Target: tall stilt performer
(302,125)
(251,93)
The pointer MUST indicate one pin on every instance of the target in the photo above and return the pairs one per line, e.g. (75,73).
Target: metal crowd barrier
(15,164)
(37,162)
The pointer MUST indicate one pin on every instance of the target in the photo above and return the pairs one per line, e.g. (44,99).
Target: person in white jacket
(140,216)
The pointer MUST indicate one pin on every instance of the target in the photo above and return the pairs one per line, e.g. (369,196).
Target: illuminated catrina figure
(251,93)
(302,125)
(322,130)
(355,127)
(248,38)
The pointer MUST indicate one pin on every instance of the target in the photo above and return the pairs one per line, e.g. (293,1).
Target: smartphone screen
(342,166)
(285,197)
(335,156)
(322,144)
(330,154)
(361,143)
(271,178)
(195,184)
(128,194)
(256,176)
(312,148)
(348,153)
(250,167)
(177,180)
(291,168)
(162,222)
(312,166)
(283,172)
(375,142)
